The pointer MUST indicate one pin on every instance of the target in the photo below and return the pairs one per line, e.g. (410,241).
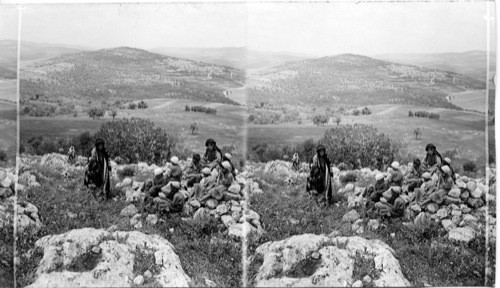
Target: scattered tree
(320,119)
(337,120)
(113,113)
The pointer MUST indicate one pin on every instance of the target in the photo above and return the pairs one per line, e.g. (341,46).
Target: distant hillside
(126,73)
(471,63)
(237,57)
(29,51)
(355,80)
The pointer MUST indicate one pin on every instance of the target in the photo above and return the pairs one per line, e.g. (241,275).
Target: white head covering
(447,160)
(158,171)
(206,171)
(379,176)
(395,165)
(175,184)
(427,176)
(174,160)
(228,156)
(446,169)
(226,165)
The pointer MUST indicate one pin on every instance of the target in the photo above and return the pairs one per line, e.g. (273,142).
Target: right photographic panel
(370,144)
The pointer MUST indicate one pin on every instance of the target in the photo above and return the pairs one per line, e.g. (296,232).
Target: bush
(137,140)
(356,112)
(95,112)
(424,114)
(3,156)
(142,105)
(320,119)
(203,109)
(470,166)
(359,145)
(410,114)
(132,106)
(366,111)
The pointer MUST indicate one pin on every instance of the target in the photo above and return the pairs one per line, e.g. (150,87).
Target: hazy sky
(141,26)
(310,28)
(8,22)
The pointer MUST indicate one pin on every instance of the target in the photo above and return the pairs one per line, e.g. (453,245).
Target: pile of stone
(91,257)
(463,212)
(232,214)
(27,218)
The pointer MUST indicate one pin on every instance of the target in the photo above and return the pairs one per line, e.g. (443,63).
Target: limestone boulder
(329,261)
(111,264)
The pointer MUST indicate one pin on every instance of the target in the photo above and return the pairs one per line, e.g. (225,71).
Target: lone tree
(417,133)
(337,120)
(320,119)
(96,113)
(193,127)
(113,113)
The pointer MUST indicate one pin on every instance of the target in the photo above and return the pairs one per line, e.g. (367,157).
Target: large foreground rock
(105,259)
(320,261)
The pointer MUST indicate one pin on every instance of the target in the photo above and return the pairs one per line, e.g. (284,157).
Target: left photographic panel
(128,114)
(9,18)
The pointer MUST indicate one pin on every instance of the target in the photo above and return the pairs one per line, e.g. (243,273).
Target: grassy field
(426,256)
(198,244)
(8,130)
(463,131)
(474,100)
(8,90)
(226,127)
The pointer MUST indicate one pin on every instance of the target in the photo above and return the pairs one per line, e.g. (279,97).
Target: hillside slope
(355,80)
(470,63)
(237,57)
(126,73)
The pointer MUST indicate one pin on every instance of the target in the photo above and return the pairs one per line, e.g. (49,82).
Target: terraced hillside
(347,80)
(125,73)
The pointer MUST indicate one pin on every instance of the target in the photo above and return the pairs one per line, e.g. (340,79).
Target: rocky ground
(461,231)
(66,237)
(71,228)
(7,202)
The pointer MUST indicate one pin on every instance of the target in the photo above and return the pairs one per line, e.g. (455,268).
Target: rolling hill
(30,51)
(353,80)
(470,63)
(126,74)
(237,57)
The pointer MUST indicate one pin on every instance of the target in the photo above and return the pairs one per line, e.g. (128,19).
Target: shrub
(251,118)
(142,105)
(320,119)
(95,112)
(366,111)
(187,108)
(469,166)
(359,145)
(137,140)
(356,112)
(203,109)
(113,113)
(132,106)
(410,114)
(3,156)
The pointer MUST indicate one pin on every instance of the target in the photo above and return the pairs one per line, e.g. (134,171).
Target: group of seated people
(425,182)
(202,179)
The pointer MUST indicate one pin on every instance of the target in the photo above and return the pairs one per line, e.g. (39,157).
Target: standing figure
(71,155)
(97,174)
(295,162)
(320,171)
